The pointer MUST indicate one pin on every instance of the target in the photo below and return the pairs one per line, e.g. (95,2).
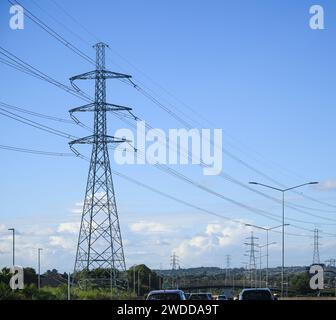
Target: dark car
(187,295)
(166,295)
(256,294)
(200,296)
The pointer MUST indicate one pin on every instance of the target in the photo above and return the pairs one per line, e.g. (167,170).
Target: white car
(166,295)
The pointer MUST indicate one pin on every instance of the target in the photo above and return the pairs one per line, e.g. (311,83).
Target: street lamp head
(314,182)
(11,229)
(253,182)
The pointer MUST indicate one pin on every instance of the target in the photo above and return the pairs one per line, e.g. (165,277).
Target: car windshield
(257,295)
(164,296)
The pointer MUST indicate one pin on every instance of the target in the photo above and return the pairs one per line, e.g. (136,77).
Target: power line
(53,33)
(62,24)
(152,128)
(76,21)
(231,179)
(36,114)
(27,68)
(38,152)
(184,104)
(35,124)
(154,100)
(251,189)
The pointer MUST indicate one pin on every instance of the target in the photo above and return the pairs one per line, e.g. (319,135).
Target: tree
(145,277)
(299,284)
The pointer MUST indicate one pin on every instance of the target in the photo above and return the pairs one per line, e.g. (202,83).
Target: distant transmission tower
(227,269)
(175,264)
(174,261)
(100,247)
(251,253)
(316,255)
(331,263)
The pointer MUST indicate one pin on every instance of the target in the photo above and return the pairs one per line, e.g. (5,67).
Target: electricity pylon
(174,261)
(227,269)
(251,253)
(100,254)
(316,255)
(175,264)
(331,263)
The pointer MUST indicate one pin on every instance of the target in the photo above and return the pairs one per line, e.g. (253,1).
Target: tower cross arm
(95,74)
(100,139)
(107,107)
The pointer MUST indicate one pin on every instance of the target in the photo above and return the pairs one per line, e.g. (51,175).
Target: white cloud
(149,227)
(38,232)
(5,248)
(69,227)
(78,208)
(160,242)
(62,242)
(202,248)
(327,185)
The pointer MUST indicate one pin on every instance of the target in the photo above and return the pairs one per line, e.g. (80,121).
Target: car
(200,296)
(256,294)
(222,297)
(166,295)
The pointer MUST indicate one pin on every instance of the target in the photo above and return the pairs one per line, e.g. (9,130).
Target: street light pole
(134,279)
(260,256)
(266,282)
(283,244)
(283,223)
(39,268)
(69,286)
(13,230)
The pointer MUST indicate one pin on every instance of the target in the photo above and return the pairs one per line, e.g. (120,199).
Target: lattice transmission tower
(251,252)
(174,261)
(100,255)
(316,255)
(331,263)
(227,268)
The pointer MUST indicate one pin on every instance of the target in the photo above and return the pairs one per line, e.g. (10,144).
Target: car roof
(256,289)
(165,291)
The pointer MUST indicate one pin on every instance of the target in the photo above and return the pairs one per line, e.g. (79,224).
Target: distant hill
(210,271)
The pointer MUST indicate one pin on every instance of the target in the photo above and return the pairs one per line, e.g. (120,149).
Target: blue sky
(254,69)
